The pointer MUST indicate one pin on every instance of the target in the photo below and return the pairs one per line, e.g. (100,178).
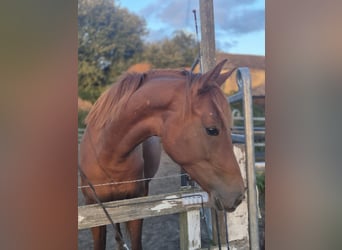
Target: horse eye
(212,131)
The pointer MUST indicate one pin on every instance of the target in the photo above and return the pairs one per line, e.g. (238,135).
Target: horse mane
(109,104)
(115,98)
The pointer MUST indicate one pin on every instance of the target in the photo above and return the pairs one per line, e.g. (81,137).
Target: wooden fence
(140,208)
(187,203)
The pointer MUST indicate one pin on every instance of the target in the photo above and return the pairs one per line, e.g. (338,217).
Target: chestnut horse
(190,115)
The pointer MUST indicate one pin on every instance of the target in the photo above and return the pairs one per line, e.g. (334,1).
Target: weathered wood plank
(138,208)
(190,230)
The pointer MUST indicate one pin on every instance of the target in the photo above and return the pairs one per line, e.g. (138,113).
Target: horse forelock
(220,103)
(216,95)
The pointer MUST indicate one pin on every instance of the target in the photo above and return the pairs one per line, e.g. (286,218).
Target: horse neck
(144,116)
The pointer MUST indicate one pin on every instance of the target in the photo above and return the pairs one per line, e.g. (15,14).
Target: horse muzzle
(228,205)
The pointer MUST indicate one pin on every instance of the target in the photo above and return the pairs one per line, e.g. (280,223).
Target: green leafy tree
(179,51)
(109,41)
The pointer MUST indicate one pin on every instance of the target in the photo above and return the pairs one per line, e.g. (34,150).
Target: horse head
(199,139)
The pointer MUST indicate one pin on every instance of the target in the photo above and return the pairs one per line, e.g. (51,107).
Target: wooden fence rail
(144,207)
(187,203)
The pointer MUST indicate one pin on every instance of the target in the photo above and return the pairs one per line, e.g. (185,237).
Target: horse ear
(223,77)
(211,78)
(212,75)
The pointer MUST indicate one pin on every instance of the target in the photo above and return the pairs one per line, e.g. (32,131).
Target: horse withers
(191,116)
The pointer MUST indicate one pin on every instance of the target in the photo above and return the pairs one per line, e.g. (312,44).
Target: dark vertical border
(38,138)
(304,119)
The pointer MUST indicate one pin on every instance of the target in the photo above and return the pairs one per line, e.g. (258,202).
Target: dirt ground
(158,232)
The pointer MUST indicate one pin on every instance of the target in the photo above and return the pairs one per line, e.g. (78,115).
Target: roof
(259,91)
(237,60)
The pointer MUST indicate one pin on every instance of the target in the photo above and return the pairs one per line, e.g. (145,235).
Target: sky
(239,24)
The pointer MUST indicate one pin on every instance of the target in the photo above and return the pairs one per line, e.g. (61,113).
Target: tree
(179,51)
(109,40)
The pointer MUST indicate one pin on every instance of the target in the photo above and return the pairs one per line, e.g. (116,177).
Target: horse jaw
(225,192)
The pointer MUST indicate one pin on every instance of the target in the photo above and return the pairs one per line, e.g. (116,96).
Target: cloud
(179,13)
(176,14)
(225,45)
(157,34)
(242,22)
(232,16)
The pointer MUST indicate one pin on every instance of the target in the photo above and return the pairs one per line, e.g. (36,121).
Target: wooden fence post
(190,230)
(208,62)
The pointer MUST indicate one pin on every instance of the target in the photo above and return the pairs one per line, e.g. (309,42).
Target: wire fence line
(134,181)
